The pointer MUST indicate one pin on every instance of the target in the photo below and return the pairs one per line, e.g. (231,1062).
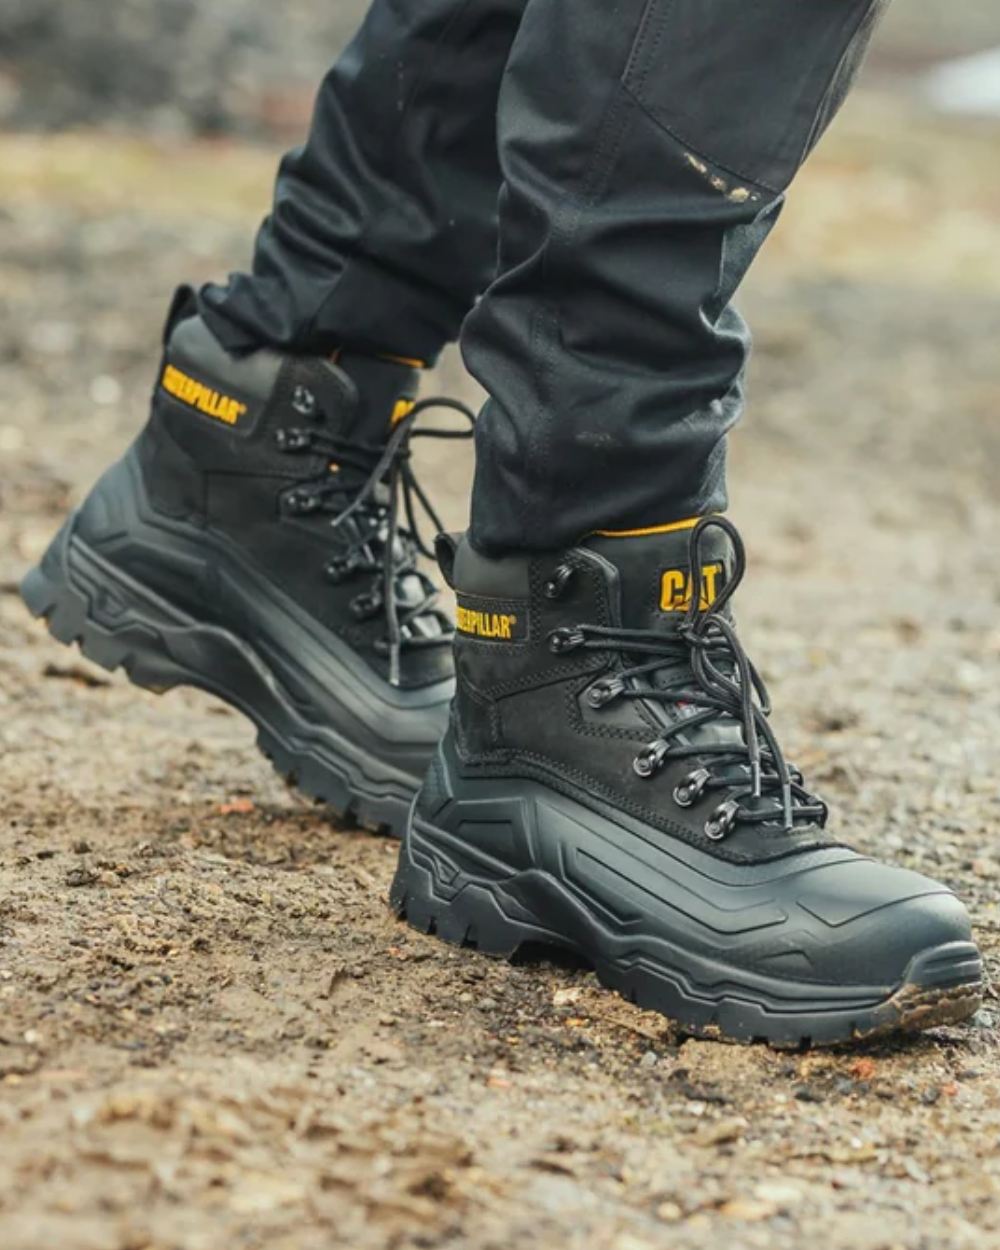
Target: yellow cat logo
(497,626)
(197,395)
(677,587)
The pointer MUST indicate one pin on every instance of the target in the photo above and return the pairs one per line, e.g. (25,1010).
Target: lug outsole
(316,782)
(137,647)
(477,915)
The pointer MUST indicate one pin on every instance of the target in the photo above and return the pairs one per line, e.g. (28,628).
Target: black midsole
(501,864)
(540,901)
(531,910)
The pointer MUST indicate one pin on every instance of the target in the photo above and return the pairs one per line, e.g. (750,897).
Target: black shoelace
(760,786)
(371,491)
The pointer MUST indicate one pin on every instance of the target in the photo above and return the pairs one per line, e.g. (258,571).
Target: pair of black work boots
(584,762)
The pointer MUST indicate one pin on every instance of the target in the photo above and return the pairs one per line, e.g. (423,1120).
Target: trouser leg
(383,229)
(645,149)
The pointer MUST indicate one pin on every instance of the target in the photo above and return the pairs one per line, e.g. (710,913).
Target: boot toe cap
(868,923)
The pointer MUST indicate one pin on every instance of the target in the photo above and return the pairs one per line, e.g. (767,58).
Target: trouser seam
(853,23)
(372,226)
(613,128)
(694,148)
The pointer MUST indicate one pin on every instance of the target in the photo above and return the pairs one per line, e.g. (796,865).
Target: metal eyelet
(562,640)
(650,760)
(690,789)
(558,581)
(601,693)
(300,501)
(364,607)
(304,401)
(292,440)
(721,820)
(339,570)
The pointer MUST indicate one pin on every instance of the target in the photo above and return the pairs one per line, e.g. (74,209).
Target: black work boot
(610,783)
(248,543)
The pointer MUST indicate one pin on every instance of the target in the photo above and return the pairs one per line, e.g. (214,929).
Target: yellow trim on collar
(671,528)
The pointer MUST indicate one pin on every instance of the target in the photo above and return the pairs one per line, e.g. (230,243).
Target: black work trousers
(576,188)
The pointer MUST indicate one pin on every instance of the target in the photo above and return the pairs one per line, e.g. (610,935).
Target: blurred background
(244,67)
(138,139)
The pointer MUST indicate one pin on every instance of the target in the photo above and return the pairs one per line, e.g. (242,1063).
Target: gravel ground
(212,1032)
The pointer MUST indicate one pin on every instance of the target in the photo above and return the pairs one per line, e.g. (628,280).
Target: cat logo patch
(197,395)
(490,622)
(677,587)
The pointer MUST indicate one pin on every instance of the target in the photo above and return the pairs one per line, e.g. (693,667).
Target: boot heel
(119,623)
(434,896)
(127,637)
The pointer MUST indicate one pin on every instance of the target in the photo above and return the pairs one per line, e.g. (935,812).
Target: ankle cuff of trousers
(380,315)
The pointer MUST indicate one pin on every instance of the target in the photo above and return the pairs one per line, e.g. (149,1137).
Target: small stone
(81,876)
(747,1209)
(721,1132)
(780,1193)
(565,997)
(914,1171)
(670,1212)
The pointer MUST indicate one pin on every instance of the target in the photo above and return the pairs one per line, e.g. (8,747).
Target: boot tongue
(362,398)
(374,394)
(385,391)
(655,576)
(656,583)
